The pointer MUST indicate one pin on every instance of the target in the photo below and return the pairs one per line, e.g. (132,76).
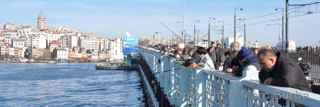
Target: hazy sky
(143,17)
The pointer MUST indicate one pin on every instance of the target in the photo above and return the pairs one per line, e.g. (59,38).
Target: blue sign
(130,44)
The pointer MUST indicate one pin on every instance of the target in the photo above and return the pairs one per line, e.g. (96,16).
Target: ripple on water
(74,85)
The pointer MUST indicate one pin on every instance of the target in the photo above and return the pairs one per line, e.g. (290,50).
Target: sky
(144,17)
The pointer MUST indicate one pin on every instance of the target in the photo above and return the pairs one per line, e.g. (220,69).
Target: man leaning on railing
(200,59)
(247,61)
(279,70)
(231,57)
(216,52)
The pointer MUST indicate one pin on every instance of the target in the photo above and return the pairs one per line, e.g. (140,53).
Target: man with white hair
(231,60)
(202,59)
(179,50)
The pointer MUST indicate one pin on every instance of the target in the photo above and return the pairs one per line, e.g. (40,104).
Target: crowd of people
(275,67)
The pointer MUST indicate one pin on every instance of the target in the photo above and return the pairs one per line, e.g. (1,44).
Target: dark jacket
(212,54)
(196,58)
(285,73)
(231,59)
(220,58)
(263,75)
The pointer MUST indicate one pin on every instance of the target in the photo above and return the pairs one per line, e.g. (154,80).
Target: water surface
(67,85)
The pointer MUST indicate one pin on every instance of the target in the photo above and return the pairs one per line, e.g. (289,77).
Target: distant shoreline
(44,61)
(54,62)
(49,63)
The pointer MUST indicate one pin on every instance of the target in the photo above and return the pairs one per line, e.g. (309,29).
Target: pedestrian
(282,70)
(220,58)
(245,61)
(201,59)
(179,51)
(231,59)
(248,62)
(212,52)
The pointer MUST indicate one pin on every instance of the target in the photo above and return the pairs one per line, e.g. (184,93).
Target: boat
(109,66)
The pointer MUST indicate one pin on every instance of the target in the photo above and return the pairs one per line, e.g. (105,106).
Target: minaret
(42,23)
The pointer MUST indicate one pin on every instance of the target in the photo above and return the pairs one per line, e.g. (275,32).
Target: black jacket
(231,60)
(285,73)
(212,54)
(220,58)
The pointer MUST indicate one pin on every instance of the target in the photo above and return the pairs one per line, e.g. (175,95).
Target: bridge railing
(259,95)
(186,87)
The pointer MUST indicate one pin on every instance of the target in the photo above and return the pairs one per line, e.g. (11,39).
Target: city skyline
(143,17)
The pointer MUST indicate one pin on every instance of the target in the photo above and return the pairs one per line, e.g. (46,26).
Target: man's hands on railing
(268,81)
(194,66)
(229,70)
(220,67)
(232,70)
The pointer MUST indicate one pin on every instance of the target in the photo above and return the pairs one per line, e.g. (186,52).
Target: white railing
(199,88)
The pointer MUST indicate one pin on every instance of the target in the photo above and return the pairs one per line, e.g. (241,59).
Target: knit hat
(245,53)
